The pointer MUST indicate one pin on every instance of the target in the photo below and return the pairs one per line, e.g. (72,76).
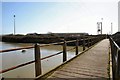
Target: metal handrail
(115,43)
(115,55)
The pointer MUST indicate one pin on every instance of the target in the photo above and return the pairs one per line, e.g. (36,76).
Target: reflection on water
(10,59)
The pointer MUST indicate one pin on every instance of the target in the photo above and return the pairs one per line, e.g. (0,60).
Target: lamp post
(111,28)
(14,24)
(101,25)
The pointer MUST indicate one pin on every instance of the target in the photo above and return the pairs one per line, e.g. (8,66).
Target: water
(10,59)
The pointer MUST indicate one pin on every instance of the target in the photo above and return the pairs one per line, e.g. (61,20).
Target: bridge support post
(77,43)
(83,44)
(64,52)
(38,70)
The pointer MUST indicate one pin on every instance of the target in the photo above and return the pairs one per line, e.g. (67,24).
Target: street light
(101,25)
(111,28)
(14,24)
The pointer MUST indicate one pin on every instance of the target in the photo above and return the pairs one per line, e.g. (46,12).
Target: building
(119,16)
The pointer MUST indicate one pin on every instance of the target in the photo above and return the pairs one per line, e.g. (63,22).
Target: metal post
(113,62)
(14,24)
(38,70)
(101,27)
(83,44)
(77,43)
(111,28)
(64,52)
(118,64)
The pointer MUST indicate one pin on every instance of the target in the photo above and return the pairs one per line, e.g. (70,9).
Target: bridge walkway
(91,64)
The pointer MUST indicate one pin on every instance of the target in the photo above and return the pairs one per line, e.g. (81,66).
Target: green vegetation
(46,38)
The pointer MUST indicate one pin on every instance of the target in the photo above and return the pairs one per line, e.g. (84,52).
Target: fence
(115,55)
(85,42)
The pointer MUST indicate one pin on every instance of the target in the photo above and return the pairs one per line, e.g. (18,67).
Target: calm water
(14,58)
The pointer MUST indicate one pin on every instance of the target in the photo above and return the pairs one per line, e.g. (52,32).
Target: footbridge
(100,59)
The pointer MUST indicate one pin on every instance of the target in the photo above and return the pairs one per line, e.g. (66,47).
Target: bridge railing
(37,52)
(115,55)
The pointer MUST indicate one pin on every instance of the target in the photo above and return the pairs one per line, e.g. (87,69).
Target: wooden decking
(92,64)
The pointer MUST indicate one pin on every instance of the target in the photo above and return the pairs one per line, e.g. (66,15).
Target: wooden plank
(91,64)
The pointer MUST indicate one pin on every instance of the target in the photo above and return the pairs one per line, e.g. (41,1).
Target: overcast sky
(59,16)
